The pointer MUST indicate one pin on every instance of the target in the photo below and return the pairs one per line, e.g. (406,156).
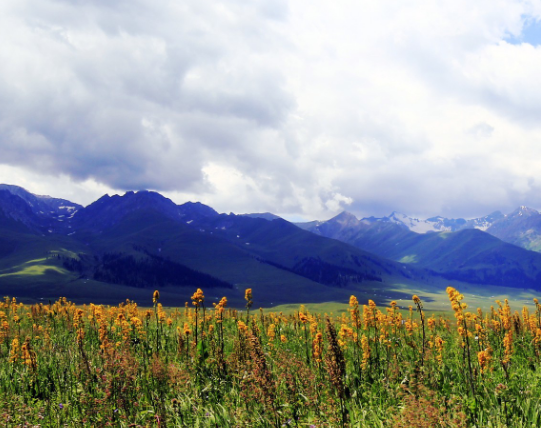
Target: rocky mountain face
(14,208)
(43,206)
(43,214)
(341,227)
(522,227)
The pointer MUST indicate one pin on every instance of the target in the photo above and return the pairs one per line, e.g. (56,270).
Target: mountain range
(522,227)
(126,246)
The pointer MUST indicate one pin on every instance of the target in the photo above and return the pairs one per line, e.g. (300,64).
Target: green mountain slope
(125,246)
(262,257)
(469,255)
(140,241)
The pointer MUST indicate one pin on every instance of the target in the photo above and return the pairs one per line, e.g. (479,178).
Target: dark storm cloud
(134,95)
(304,107)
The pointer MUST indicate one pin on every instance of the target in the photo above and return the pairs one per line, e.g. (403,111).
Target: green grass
(313,308)
(36,270)
(436,299)
(79,366)
(29,268)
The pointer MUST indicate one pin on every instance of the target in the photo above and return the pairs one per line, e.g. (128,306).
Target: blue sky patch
(531,33)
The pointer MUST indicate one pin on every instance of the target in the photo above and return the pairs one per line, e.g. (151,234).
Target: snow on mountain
(436,224)
(522,227)
(439,223)
(522,211)
(483,223)
(41,204)
(433,224)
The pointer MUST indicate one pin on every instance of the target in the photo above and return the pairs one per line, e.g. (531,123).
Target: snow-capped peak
(434,224)
(523,211)
(437,223)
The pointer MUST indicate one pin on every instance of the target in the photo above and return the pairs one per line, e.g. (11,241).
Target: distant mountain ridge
(439,223)
(45,206)
(266,216)
(468,254)
(522,227)
(143,240)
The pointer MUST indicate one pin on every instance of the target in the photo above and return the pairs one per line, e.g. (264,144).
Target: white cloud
(298,107)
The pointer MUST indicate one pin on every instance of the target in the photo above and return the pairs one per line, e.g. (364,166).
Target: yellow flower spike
(365,346)
(508,346)
(317,347)
(14,350)
(187,330)
(242,327)
(271,332)
(439,342)
(198,298)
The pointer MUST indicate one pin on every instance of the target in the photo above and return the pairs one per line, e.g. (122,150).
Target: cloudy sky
(303,108)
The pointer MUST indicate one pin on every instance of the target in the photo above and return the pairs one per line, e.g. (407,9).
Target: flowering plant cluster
(94,365)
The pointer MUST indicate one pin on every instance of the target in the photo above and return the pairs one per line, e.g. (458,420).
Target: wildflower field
(197,366)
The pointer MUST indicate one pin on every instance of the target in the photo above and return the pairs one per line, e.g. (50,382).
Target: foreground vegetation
(68,365)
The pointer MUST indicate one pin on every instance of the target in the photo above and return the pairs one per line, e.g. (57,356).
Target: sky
(301,108)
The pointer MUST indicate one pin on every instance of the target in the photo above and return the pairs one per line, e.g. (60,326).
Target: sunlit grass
(321,308)
(65,253)
(35,261)
(36,270)
(482,297)
(293,366)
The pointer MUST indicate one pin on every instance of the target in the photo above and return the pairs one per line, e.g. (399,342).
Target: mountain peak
(109,210)
(196,210)
(12,188)
(43,206)
(523,211)
(399,217)
(345,218)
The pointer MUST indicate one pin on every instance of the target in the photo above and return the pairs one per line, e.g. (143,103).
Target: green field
(202,365)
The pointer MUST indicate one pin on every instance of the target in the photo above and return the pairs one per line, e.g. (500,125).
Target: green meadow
(316,365)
